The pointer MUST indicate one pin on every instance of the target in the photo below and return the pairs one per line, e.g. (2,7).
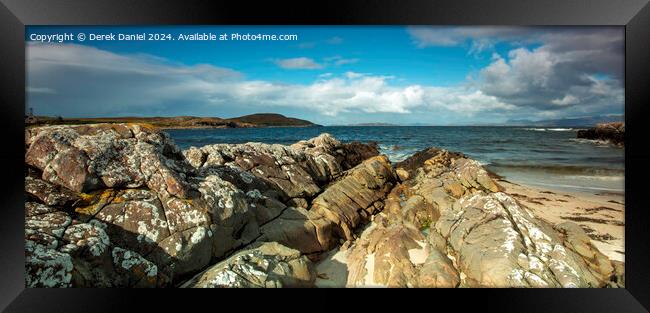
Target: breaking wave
(551,129)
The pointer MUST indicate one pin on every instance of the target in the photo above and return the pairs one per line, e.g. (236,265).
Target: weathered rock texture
(612,132)
(270,265)
(450,226)
(120,205)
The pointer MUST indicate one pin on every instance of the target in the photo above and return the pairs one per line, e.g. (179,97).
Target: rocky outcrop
(298,172)
(450,226)
(119,205)
(353,199)
(269,265)
(611,132)
(128,204)
(335,214)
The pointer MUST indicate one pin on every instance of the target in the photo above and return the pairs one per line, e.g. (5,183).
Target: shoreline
(336,214)
(552,205)
(601,215)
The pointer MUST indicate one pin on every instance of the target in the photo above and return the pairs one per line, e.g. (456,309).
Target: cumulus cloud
(546,68)
(424,36)
(302,63)
(94,82)
(573,72)
(546,79)
(567,100)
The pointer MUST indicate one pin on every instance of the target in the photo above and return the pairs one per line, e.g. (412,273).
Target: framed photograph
(460,148)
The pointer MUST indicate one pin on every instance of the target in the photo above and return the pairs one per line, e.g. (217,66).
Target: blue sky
(334,75)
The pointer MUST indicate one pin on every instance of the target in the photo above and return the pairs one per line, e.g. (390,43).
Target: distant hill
(253,120)
(570,122)
(270,119)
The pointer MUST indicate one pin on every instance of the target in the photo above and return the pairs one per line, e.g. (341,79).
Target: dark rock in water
(610,132)
(356,152)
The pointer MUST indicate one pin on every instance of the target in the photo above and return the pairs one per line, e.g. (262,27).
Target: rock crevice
(119,205)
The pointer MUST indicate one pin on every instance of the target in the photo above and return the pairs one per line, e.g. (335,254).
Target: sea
(550,158)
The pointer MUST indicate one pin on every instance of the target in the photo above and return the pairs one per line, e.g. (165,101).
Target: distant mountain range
(370,124)
(279,120)
(383,124)
(569,122)
(252,120)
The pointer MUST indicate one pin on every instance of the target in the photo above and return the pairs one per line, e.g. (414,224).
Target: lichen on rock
(119,205)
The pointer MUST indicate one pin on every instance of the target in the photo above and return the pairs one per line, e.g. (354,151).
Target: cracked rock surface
(450,226)
(119,205)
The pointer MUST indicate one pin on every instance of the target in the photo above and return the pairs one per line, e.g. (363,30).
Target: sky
(332,75)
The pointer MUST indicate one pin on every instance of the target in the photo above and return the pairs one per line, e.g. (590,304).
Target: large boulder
(398,255)
(611,132)
(269,265)
(300,229)
(335,214)
(298,171)
(139,194)
(450,225)
(120,205)
(90,157)
(354,198)
(61,252)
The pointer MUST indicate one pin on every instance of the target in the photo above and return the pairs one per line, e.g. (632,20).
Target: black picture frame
(633,14)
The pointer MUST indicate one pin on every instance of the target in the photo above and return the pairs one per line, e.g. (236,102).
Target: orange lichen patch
(188,201)
(91,203)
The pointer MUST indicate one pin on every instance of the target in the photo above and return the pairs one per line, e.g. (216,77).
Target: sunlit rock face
(450,226)
(119,205)
(268,265)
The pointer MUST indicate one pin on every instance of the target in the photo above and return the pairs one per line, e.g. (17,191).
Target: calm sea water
(547,157)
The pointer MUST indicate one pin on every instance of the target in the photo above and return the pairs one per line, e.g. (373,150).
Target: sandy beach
(601,215)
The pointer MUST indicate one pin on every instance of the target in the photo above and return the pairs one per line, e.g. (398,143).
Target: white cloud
(479,38)
(298,63)
(353,75)
(574,69)
(98,83)
(549,80)
(543,78)
(567,100)
(339,60)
